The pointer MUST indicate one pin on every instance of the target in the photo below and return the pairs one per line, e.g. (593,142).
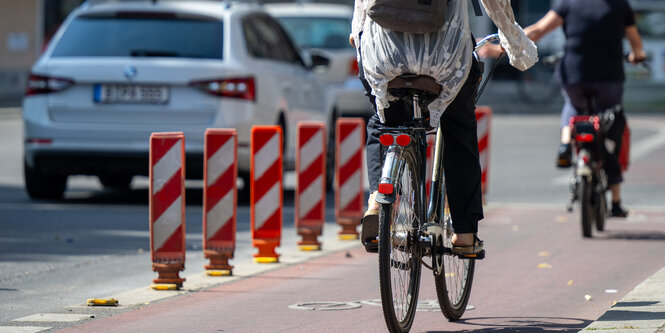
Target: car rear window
(141,37)
(318,32)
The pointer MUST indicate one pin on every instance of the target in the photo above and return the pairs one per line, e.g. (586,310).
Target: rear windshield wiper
(152,53)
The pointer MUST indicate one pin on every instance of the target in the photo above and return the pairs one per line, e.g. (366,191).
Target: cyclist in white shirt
(446,56)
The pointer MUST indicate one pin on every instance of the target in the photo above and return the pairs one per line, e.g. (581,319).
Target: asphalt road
(94,243)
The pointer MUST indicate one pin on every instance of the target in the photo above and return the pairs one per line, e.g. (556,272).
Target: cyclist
(593,63)
(446,56)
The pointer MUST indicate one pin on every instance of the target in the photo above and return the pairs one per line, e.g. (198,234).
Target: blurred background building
(27,25)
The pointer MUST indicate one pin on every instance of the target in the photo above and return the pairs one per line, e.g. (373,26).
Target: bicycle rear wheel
(399,262)
(453,284)
(600,210)
(586,208)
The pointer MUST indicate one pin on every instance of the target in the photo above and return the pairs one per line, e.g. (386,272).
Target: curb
(641,310)
(243,268)
(10,112)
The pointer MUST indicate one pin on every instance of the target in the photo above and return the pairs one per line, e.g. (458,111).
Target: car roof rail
(226,3)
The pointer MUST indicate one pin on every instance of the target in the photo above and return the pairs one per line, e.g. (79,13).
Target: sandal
(369,232)
(475,251)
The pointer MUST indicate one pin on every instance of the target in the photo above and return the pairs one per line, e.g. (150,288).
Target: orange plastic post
(220,199)
(310,191)
(266,191)
(349,194)
(167,206)
(484,117)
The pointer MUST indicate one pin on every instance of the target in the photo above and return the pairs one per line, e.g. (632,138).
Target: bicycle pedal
(478,256)
(372,247)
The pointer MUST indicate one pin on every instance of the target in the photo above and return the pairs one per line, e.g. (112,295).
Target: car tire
(116,182)
(43,186)
(244,191)
(282,124)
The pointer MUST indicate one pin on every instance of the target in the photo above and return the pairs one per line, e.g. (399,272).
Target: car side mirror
(319,63)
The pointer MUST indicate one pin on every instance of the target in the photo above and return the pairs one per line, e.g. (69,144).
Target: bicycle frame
(433,211)
(430,214)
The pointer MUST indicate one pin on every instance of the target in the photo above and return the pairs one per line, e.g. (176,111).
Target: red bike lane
(539,275)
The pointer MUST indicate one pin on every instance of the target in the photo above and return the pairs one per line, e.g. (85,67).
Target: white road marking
(22,329)
(56,317)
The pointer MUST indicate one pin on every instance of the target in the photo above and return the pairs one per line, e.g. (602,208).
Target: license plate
(131,94)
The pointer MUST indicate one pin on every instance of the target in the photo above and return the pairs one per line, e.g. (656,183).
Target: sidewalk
(641,311)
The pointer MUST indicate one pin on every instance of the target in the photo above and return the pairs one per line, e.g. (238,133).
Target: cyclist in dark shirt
(593,61)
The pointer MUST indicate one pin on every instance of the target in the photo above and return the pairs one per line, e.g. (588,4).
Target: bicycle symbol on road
(428,305)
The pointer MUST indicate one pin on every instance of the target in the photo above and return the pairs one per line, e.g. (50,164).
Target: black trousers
(461,162)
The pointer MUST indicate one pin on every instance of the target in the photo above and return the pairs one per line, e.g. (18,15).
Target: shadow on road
(652,235)
(523,324)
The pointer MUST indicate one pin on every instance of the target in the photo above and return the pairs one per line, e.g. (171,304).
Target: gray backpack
(417,16)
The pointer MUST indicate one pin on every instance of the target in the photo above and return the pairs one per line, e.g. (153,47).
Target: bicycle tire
(586,207)
(601,209)
(453,284)
(399,270)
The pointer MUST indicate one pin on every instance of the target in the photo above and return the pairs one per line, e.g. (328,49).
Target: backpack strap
(476,8)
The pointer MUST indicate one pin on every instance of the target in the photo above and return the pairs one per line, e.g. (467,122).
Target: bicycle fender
(385,198)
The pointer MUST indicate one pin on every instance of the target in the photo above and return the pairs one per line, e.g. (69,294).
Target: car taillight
(39,84)
(242,88)
(39,141)
(353,67)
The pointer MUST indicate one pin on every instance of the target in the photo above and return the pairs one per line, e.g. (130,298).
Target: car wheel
(282,123)
(43,186)
(244,191)
(116,182)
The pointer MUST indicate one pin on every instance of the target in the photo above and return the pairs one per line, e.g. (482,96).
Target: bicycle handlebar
(488,39)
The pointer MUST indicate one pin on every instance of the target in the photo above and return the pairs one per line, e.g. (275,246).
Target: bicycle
(589,182)
(410,229)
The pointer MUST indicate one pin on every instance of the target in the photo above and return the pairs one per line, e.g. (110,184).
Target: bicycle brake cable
(489,76)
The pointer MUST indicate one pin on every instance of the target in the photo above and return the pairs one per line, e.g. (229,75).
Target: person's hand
(636,57)
(490,51)
(351,41)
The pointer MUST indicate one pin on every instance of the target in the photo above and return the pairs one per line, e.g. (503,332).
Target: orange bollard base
(309,240)
(267,252)
(219,262)
(168,273)
(349,226)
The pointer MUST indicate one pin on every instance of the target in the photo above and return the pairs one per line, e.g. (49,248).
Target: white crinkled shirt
(445,55)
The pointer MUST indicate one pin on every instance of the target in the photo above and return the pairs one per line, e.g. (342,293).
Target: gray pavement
(641,311)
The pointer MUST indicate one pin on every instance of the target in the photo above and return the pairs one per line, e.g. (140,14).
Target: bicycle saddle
(413,81)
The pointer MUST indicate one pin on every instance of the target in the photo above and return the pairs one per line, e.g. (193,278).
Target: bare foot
(463,239)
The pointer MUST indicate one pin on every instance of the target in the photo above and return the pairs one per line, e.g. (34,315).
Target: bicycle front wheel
(453,283)
(399,262)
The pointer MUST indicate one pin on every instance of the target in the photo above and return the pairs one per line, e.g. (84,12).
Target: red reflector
(585,159)
(584,138)
(403,140)
(386,139)
(386,188)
